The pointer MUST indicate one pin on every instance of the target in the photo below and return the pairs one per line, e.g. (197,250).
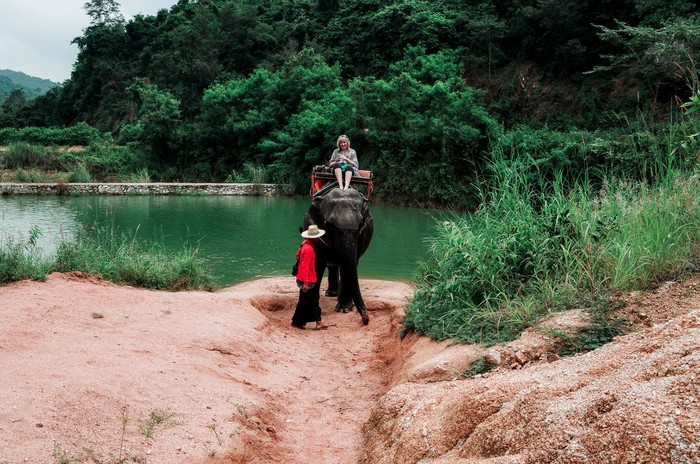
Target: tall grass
(251,173)
(534,249)
(81,174)
(20,259)
(104,251)
(142,176)
(126,259)
(25,155)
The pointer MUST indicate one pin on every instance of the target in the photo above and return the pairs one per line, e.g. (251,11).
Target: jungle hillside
(223,90)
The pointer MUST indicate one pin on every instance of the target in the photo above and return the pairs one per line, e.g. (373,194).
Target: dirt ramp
(635,400)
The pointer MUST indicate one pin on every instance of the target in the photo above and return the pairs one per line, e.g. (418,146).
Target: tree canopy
(422,88)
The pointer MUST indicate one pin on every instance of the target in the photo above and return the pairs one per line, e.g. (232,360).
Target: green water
(238,237)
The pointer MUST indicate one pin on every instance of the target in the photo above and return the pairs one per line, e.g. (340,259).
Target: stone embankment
(139,189)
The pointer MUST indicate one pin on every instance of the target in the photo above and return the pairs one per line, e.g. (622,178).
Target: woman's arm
(352,159)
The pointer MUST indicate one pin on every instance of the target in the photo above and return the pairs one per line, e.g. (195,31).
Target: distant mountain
(30,85)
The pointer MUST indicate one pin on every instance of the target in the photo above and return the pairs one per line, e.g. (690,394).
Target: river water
(238,237)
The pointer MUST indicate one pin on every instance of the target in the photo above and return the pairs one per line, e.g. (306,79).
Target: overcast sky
(36,35)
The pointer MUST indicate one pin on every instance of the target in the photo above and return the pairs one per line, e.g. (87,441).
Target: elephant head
(349,226)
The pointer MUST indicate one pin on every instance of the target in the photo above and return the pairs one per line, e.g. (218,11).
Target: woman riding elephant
(345,216)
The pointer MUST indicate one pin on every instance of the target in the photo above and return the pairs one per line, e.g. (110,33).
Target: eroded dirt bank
(93,372)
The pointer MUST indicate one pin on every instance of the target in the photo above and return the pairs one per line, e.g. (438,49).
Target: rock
(521,357)
(493,357)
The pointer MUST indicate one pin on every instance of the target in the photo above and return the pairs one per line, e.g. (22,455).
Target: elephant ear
(314,216)
(317,202)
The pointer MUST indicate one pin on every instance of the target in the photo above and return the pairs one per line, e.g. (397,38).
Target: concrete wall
(141,189)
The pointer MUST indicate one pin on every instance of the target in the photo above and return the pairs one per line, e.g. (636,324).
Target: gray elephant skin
(349,226)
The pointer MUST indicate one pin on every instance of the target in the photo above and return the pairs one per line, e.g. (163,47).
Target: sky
(36,35)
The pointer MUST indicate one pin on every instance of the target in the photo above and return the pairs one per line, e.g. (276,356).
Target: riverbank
(156,188)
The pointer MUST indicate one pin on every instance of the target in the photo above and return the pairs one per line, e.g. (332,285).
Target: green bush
(79,134)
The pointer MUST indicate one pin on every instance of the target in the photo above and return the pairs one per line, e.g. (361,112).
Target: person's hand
(305,287)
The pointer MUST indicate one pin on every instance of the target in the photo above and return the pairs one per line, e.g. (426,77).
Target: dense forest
(426,91)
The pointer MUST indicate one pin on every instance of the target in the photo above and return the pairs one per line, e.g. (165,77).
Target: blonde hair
(342,137)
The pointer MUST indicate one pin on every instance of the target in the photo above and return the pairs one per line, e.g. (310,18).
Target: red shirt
(307,263)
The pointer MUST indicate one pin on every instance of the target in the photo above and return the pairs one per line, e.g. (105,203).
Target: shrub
(79,134)
(81,174)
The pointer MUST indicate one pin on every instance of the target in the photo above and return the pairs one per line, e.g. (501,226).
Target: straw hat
(313,232)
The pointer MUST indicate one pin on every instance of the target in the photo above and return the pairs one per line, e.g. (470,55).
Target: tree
(480,30)
(425,132)
(655,12)
(156,123)
(284,118)
(367,35)
(15,100)
(663,57)
(104,13)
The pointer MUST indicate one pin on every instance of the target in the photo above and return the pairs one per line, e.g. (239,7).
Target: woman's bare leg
(348,178)
(339,176)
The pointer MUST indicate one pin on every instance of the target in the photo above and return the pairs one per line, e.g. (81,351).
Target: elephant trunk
(350,290)
(346,257)
(345,246)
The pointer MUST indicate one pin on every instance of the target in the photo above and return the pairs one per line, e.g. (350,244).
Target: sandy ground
(94,372)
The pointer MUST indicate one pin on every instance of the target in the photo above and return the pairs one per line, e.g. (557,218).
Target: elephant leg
(333,281)
(345,303)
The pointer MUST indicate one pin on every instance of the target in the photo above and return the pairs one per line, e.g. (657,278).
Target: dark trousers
(308,309)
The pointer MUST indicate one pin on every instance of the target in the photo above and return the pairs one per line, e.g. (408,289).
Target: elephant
(349,226)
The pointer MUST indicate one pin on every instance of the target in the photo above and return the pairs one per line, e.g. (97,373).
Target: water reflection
(239,237)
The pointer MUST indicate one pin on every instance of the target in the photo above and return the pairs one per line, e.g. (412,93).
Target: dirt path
(93,372)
